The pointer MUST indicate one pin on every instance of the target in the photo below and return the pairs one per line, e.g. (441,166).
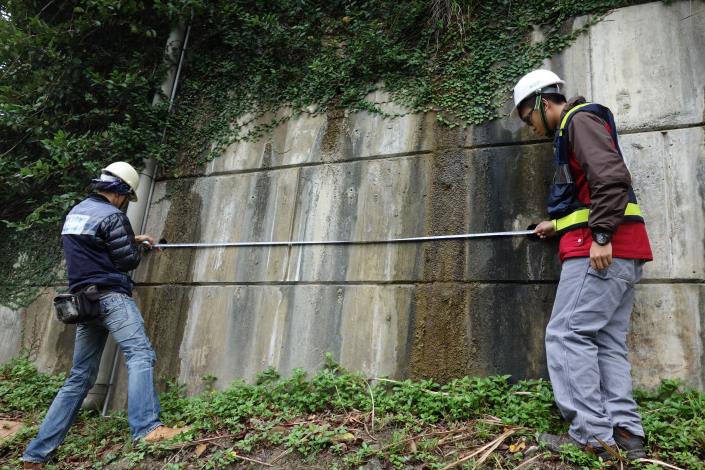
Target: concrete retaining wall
(436,310)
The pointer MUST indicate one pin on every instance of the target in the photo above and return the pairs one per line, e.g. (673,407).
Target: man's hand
(146,238)
(545,229)
(600,256)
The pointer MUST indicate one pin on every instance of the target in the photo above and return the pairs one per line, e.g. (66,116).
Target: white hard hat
(127,173)
(534,82)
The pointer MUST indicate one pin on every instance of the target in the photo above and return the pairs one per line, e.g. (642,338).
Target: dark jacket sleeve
(607,174)
(119,239)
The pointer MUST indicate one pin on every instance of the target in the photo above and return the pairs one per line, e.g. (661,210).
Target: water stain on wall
(336,144)
(164,309)
(442,349)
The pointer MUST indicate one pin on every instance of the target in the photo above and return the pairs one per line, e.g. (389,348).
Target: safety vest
(564,207)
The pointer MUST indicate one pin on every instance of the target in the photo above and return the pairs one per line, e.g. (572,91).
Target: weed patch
(338,419)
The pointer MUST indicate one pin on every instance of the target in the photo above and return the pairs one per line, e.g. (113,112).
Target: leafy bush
(76,87)
(23,389)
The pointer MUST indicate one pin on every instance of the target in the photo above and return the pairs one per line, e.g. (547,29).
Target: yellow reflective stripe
(567,115)
(633,209)
(581,216)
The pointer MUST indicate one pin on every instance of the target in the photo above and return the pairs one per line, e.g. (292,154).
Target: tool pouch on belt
(80,307)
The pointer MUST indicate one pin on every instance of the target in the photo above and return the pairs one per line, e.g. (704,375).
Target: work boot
(554,443)
(631,443)
(164,433)
(32,466)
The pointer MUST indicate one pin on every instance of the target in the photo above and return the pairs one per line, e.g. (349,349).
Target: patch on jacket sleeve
(76,224)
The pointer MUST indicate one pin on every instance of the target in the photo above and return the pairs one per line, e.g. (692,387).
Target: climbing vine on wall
(77,80)
(28,260)
(458,58)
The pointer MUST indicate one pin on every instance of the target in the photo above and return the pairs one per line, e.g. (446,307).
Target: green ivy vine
(457,58)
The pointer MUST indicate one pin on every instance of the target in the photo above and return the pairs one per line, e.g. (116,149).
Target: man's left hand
(600,256)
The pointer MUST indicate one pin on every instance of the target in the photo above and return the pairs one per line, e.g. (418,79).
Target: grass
(338,419)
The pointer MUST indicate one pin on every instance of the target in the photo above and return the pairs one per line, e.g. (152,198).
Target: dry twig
(198,441)
(487,449)
(658,462)
(527,462)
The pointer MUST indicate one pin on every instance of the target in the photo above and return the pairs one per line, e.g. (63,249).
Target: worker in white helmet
(100,249)
(603,246)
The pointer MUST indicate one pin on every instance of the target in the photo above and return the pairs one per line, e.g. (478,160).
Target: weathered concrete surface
(253,206)
(495,329)
(10,333)
(668,334)
(431,310)
(668,168)
(236,332)
(449,191)
(37,333)
(648,64)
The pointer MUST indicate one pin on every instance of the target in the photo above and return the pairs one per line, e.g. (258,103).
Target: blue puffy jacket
(99,246)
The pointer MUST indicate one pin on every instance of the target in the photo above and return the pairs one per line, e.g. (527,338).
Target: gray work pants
(586,349)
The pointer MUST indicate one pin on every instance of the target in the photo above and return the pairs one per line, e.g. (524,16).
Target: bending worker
(603,247)
(100,248)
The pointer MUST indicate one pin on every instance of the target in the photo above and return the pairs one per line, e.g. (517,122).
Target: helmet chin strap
(539,105)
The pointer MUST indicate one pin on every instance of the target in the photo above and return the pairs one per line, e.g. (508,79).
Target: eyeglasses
(527,118)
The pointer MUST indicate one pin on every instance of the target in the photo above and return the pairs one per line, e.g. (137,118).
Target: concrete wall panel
(422,331)
(237,331)
(648,65)
(668,170)
(450,192)
(10,333)
(232,208)
(335,136)
(667,334)
(380,199)
(48,341)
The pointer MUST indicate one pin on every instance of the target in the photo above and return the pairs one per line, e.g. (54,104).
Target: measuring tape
(163,244)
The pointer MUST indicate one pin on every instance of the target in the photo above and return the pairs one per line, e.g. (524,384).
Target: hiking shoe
(32,466)
(164,433)
(631,443)
(554,443)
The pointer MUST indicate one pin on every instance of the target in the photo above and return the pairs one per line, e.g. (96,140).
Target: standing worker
(100,248)
(603,248)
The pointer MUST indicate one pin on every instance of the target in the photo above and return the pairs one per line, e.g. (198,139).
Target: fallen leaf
(412,446)
(346,437)
(200,449)
(514,448)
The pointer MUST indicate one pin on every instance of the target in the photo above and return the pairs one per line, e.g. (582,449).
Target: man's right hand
(147,240)
(545,229)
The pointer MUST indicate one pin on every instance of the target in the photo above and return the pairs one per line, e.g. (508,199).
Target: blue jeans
(120,317)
